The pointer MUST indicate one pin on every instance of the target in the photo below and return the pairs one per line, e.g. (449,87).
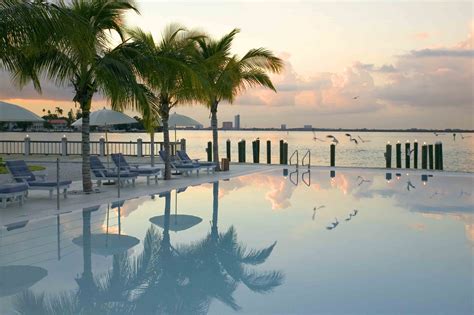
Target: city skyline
(341,73)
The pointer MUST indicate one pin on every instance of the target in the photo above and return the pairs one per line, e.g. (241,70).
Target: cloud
(462,53)
(421,35)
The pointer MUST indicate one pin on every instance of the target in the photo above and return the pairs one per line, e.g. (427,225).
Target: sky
(348,64)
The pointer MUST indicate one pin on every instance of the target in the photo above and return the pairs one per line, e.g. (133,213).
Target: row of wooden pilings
(241,152)
(431,155)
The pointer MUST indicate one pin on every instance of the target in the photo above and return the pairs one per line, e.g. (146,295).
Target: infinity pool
(278,242)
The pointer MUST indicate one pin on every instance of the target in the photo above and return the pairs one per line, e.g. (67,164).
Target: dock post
(407,154)
(333,155)
(269,152)
(257,145)
(441,167)
(430,155)
(398,154)
(424,156)
(415,154)
(285,153)
(388,155)
(228,149)
(281,151)
(254,151)
(244,153)
(209,151)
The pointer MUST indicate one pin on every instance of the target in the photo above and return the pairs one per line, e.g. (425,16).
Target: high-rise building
(283,126)
(227,125)
(237,122)
(308,127)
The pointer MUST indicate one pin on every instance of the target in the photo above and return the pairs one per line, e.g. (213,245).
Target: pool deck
(38,204)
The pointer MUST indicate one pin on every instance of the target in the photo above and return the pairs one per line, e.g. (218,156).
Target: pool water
(277,242)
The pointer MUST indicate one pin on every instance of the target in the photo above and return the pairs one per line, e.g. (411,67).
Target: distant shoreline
(275,129)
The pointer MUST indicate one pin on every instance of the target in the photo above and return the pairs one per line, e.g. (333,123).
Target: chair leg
(20,199)
(65,193)
(50,194)
(148,180)
(4,202)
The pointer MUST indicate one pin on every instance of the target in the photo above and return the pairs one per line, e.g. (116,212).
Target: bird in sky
(410,185)
(315,209)
(362,180)
(352,214)
(355,97)
(334,139)
(316,138)
(410,152)
(332,225)
(351,139)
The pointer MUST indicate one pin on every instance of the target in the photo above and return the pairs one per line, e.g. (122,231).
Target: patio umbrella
(104,118)
(178,120)
(14,279)
(13,113)
(106,244)
(177,222)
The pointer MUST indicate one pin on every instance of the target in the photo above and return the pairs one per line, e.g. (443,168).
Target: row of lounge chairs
(121,173)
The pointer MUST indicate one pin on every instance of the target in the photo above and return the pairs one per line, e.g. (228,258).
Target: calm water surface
(266,243)
(458,155)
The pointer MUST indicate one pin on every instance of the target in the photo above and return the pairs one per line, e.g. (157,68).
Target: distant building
(283,126)
(237,122)
(308,127)
(58,124)
(227,125)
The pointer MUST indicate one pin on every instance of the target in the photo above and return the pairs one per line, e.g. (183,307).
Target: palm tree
(76,50)
(228,75)
(170,72)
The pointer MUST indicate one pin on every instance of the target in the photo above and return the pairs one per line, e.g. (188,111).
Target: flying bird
(351,139)
(332,225)
(352,214)
(355,97)
(315,209)
(334,139)
(410,185)
(316,138)
(363,141)
(410,152)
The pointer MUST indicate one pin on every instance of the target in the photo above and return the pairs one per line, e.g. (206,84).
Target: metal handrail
(290,177)
(297,158)
(307,154)
(307,181)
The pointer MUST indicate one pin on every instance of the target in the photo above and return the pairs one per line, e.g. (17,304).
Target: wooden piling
(398,154)
(430,155)
(407,154)
(333,155)
(388,155)
(269,152)
(228,146)
(285,153)
(415,154)
(424,156)
(281,151)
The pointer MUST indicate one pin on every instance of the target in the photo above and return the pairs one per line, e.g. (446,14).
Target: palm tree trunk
(152,148)
(215,136)
(86,149)
(166,140)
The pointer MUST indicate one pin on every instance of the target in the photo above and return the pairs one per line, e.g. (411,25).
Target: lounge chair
(144,171)
(185,168)
(12,192)
(22,174)
(184,157)
(100,173)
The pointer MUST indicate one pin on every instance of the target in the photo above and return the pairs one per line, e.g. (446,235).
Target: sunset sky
(410,64)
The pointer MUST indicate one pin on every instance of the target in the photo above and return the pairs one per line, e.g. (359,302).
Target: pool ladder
(306,158)
(305,176)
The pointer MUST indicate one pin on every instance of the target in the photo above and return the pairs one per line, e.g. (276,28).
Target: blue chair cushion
(50,184)
(19,168)
(147,171)
(112,174)
(13,188)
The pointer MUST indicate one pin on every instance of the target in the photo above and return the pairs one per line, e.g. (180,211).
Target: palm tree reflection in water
(164,279)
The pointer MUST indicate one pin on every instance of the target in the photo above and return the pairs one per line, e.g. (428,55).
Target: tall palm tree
(170,71)
(228,75)
(76,49)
